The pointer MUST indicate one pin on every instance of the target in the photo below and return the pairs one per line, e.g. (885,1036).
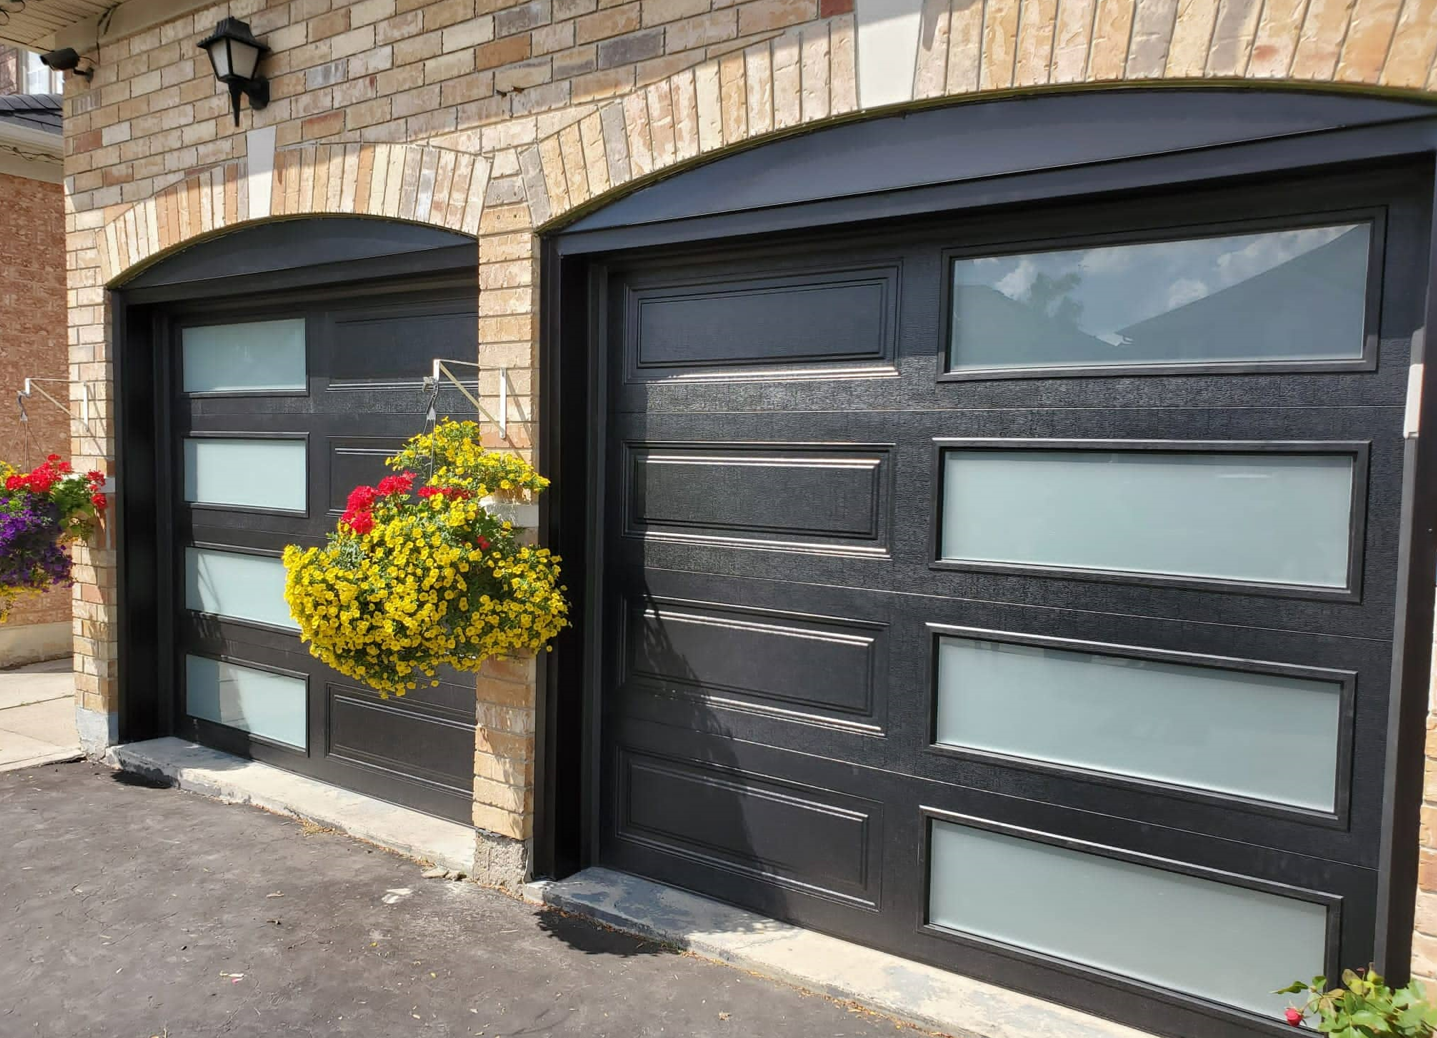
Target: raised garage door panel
(832,564)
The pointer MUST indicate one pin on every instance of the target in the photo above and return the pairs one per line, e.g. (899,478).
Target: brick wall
(496,118)
(32,342)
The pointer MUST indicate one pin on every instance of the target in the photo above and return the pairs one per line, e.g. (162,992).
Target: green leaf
(1367,1018)
(1292,988)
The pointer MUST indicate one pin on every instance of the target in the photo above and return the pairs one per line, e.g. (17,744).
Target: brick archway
(810,75)
(415,183)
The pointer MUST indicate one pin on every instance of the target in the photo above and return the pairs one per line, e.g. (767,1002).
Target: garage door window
(245,473)
(1266,736)
(237,586)
(1270,517)
(1296,295)
(1185,932)
(251,357)
(262,702)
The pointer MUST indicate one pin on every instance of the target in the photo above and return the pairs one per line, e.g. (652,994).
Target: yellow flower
(417,592)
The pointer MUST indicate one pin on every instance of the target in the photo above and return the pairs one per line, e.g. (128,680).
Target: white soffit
(51,24)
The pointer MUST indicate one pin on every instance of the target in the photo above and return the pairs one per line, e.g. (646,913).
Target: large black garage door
(1017,592)
(280,407)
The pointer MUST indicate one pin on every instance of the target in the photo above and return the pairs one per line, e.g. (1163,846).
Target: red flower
(358,520)
(95,476)
(14,482)
(98,500)
(52,457)
(483,542)
(453,493)
(396,484)
(1294,1016)
(361,497)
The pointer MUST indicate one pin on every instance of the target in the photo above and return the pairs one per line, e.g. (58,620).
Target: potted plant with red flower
(41,512)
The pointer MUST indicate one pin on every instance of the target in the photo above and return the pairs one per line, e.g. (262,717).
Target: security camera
(65,60)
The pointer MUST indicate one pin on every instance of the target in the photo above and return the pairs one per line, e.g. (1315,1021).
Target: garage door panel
(1280,772)
(776,831)
(787,665)
(915,385)
(1078,593)
(829,318)
(801,496)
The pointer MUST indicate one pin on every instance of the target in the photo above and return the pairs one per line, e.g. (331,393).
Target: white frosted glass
(1263,736)
(1290,295)
(245,587)
(254,357)
(250,473)
(1269,518)
(1225,943)
(272,706)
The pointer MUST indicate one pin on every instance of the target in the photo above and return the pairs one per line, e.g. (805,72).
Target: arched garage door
(1016,588)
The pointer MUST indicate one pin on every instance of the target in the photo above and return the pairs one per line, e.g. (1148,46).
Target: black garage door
(280,408)
(1017,592)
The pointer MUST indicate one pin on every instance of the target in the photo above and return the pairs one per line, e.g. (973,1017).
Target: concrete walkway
(131,911)
(37,715)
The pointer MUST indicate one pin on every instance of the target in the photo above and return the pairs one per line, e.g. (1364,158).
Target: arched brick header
(968,48)
(416,183)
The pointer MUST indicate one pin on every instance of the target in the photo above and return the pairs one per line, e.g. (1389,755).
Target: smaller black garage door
(280,407)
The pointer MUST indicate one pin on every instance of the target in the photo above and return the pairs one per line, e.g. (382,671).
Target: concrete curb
(925,996)
(234,780)
(58,757)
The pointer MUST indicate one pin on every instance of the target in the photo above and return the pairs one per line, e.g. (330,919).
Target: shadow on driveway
(130,911)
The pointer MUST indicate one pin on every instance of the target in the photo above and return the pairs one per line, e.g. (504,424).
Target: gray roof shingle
(36,111)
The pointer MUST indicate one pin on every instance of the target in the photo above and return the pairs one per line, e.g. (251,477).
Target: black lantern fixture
(235,53)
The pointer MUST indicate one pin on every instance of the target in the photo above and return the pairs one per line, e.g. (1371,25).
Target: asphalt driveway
(128,911)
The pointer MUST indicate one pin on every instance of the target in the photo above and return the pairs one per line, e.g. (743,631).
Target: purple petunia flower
(30,555)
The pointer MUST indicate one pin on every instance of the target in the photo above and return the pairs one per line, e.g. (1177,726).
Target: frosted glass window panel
(253,357)
(1264,736)
(248,473)
(271,706)
(1291,295)
(1217,941)
(1260,517)
(233,584)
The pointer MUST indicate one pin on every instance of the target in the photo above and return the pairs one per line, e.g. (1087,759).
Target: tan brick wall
(496,118)
(1424,940)
(32,344)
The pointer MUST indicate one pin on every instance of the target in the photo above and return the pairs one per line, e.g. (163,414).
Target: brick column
(507,689)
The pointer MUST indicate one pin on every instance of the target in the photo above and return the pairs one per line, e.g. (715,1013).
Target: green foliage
(453,456)
(1364,1007)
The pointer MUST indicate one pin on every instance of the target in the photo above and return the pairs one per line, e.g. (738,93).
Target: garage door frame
(700,205)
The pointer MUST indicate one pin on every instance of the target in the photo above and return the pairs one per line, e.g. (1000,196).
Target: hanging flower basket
(40,513)
(416,578)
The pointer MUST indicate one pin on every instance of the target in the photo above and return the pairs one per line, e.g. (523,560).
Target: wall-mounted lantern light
(235,53)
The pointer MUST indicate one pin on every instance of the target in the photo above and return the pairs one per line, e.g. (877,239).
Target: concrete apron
(924,995)
(931,998)
(235,780)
